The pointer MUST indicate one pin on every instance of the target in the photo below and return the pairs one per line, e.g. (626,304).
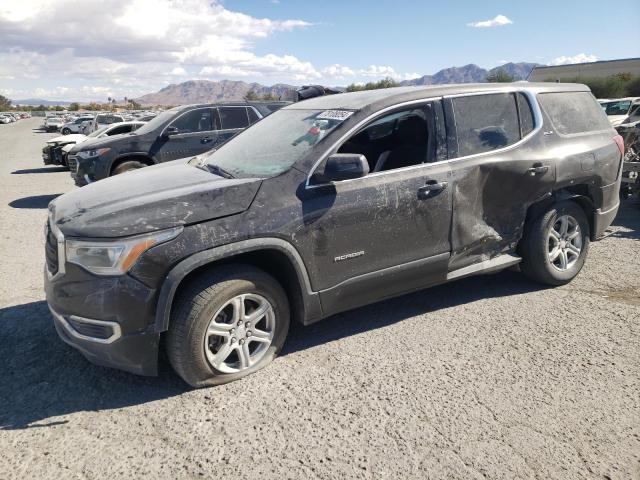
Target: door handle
(537,169)
(207,139)
(431,189)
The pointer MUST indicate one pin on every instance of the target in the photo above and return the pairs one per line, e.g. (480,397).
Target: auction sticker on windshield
(340,115)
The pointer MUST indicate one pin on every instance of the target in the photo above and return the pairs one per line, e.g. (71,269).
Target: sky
(94,49)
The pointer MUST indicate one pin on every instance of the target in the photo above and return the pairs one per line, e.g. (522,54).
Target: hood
(71,138)
(92,143)
(67,148)
(153,198)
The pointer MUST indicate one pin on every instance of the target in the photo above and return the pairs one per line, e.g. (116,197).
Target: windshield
(156,122)
(97,132)
(272,145)
(616,108)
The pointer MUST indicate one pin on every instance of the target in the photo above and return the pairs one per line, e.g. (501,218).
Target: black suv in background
(181,132)
(324,206)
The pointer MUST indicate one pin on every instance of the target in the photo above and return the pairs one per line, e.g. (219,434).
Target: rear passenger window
(120,130)
(485,122)
(526,115)
(233,117)
(253,116)
(574,112)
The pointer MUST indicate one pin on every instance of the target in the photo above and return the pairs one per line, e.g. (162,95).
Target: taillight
(620,142)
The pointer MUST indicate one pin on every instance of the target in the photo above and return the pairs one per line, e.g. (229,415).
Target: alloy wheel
(240,333)
(564,242)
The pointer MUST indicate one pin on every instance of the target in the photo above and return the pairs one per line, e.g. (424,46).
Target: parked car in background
(57,149)
(326,205)
(621,110)
(52,124)
(105,119)
(5,119)
(114,129)
(75,126)
(177,133)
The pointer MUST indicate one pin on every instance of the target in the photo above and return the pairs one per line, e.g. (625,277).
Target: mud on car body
(324,206)
(181,132)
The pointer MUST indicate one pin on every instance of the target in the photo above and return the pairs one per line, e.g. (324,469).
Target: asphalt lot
(491,377)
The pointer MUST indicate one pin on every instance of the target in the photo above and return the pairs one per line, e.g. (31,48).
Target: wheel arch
(140,157)
(579,194)
(275,256)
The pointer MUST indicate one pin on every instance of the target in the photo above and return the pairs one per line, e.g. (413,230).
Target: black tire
(534,246)
(66,131)
(127,166)
(196,305)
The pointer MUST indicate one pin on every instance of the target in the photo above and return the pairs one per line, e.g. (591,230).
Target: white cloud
(179,72)
(498,21)
(338,71)
(580,58)
(131,47)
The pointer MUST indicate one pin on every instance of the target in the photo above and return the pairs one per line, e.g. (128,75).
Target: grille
(57,155)
(90,329)
(51,251)
(72,163)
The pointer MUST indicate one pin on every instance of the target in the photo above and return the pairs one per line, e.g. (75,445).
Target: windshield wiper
(218,170)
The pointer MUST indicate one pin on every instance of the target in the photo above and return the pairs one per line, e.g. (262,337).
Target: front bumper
(109,319)
(134,353)
(85,171)
(53,155)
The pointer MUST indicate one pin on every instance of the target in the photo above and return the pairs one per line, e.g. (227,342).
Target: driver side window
(200,120)
(395,140)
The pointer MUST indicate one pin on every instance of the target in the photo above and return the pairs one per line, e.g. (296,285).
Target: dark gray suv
(324,206)
(176,133)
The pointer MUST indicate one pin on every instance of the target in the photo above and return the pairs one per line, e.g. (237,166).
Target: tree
(384,83)
(500,76)
(74,107)
(5,103)
(251,96)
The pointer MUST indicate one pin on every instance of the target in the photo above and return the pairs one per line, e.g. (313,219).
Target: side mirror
(345,166)
(170,131)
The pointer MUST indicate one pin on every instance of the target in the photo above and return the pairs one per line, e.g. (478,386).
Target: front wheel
(127,166)
(227,324)
(66,131)
(555,245)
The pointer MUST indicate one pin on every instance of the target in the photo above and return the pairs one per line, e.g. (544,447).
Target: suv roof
(230,104)
(391,96)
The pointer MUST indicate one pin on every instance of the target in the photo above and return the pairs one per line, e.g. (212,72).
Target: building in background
(585,70)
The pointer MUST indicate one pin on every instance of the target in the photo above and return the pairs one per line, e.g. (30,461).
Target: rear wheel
(127,166)
(66,131)
(226,325)
(555,245)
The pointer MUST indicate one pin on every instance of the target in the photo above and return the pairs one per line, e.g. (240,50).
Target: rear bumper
(602,220)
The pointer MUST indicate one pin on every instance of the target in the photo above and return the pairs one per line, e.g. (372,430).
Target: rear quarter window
(574,112)
(485,122)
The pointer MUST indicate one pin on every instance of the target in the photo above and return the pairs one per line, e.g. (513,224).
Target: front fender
(312,310)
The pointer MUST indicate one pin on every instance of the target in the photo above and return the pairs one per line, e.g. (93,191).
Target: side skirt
(488,266)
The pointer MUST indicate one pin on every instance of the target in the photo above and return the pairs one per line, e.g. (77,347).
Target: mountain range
(206,91)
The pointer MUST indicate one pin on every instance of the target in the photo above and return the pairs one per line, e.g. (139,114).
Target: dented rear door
(500,166)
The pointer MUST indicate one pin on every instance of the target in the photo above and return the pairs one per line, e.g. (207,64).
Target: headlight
(115,257)
(93,153)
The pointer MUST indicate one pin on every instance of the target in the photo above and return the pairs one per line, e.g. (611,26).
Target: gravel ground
(491,377)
